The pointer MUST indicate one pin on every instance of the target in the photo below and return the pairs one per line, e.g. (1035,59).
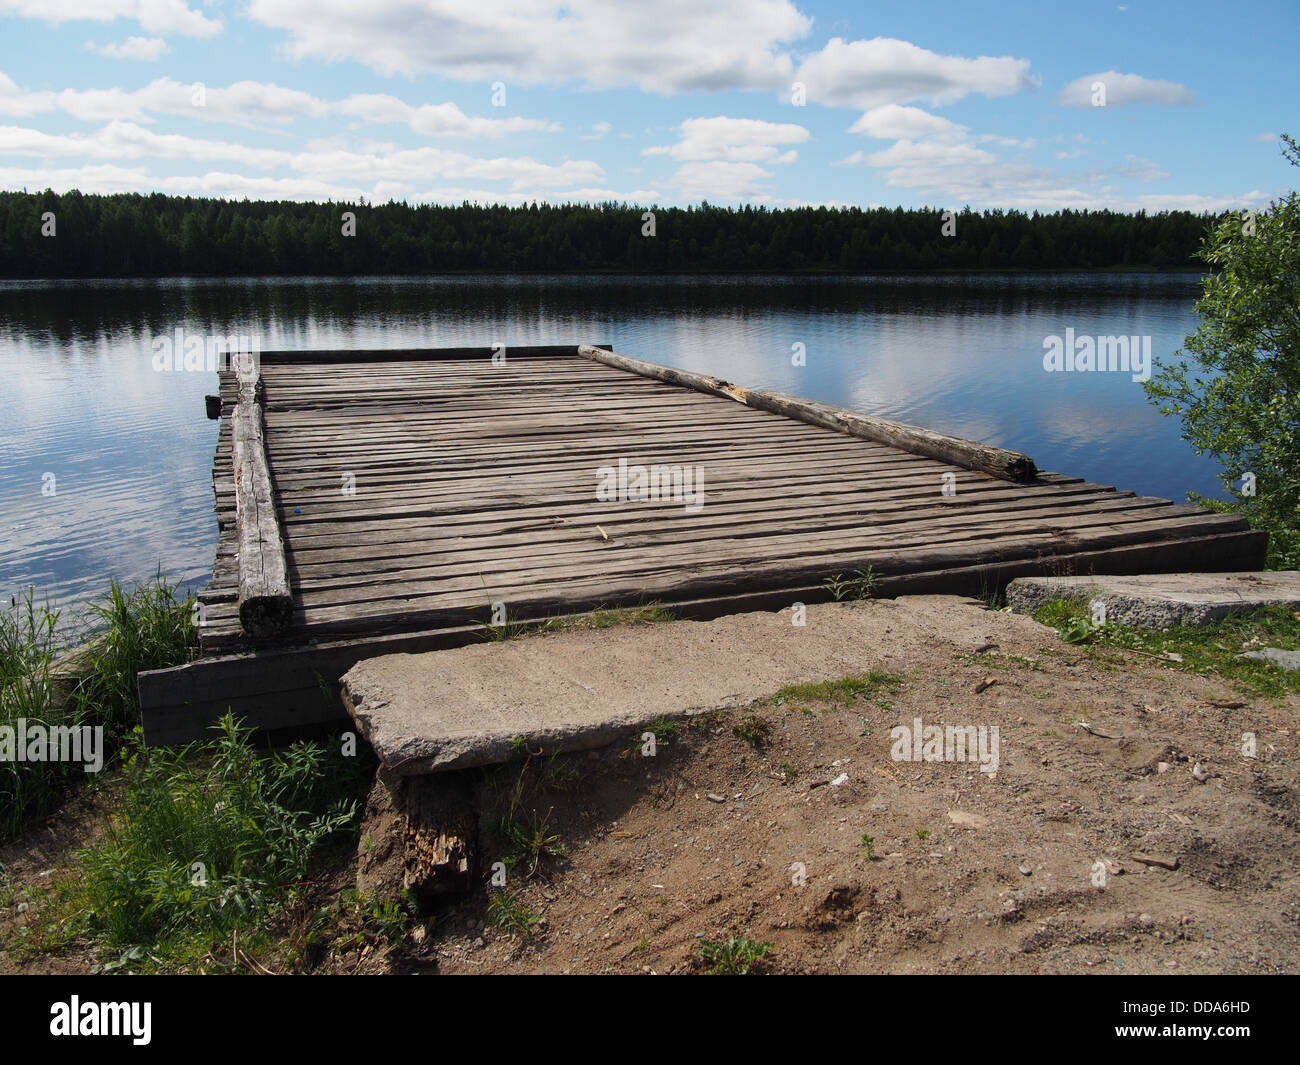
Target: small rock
(1026,871)
(1275,655)
(843,778)
(716,798)
(1163,767)
(1156,859)
(964,819)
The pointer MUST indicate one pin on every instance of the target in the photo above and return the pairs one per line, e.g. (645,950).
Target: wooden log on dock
(265,601)
(1008,465)
(970,454)
(671,375)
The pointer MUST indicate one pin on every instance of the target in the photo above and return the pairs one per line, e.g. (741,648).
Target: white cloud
(415,164)
(1138,169)
(154,16)
(736,140)
(434,120)
(126,140)
(108,178)
(721,156)
(870,74)
(145,49)
(1266,138)
(324,163)
(600,195)
(255,103)
(1122,90)
(895,122)
(95,104)
(946,176)
(1193,201)
(669,46)
(912,154)
(720,180)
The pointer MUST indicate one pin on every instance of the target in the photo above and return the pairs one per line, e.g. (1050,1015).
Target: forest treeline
(46,234)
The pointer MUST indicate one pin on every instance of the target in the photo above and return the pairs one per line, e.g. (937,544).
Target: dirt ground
(1037,867)
(1147,842)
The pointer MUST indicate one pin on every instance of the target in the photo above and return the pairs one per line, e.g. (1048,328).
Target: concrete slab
(462,707)
(1280,658)
(1155,601)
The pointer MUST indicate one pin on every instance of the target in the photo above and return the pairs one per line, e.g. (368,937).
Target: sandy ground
(1034,868)
(1037,867)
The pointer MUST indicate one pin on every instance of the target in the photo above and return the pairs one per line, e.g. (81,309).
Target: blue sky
(1029,105)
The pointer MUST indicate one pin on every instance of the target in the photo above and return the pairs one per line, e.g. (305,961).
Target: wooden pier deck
(415,490)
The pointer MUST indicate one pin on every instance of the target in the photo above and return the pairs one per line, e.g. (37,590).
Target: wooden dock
(414,497)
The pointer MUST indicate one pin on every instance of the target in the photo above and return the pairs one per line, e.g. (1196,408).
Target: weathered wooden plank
(310,564)
(1010,465)
(961,538)
(580,592)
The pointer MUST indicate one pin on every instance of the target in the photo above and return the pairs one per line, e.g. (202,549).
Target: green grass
(559,772)
(209,839)
(149,627)
(387,919)
(861,585)
(753,729)
(1072,619)
(869,846)
(527,841)
(665,729)
(1208,651)
(844,688)
(511,627)
(991,593)
(731,957)
(530,843)
(28,647)
(507,913)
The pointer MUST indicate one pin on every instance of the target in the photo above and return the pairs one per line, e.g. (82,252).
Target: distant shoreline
(765,275)
(73,235)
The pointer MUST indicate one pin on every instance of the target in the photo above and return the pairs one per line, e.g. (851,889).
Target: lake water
(105,464)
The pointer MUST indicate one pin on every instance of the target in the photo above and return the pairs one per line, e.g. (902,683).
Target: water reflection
(130,450)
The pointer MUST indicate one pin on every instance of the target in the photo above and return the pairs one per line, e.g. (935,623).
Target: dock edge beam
(265,599)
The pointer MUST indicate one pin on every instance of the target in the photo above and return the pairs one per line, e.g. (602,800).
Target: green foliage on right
(1240,401)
